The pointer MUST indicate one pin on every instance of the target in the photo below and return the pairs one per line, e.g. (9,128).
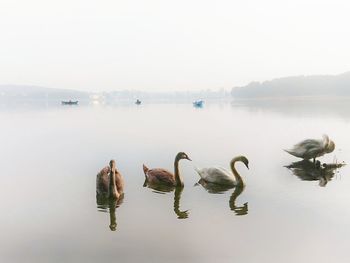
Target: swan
(311,148)
(162,176)
(110,182)
(221,176)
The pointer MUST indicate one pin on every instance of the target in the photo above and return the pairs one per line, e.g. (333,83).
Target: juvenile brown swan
(110,182)
(162,176)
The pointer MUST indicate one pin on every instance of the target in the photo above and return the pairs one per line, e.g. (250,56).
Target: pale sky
(169,45)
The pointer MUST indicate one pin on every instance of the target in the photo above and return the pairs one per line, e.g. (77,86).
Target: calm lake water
(50,156)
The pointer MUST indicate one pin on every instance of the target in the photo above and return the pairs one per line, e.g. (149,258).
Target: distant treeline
(8,92)
(299,86)
(23,92)
(167,95)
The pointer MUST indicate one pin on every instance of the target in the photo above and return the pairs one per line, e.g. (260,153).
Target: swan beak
(188,158)
(247,166)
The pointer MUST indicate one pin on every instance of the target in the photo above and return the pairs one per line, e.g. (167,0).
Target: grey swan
(312,148)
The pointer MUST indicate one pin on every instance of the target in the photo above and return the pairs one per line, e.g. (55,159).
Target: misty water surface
(50,156)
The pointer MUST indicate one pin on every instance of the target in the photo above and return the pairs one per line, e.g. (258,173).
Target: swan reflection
(104,203)
(219,189)
(162,189)
(308,171)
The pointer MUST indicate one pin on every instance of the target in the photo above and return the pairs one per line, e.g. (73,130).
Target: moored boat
(69,102)
(198,103)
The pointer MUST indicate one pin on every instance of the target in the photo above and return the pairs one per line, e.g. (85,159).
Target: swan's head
(113,226)
(242,159)
(112,164)
(182,155)
(245,161)
(325,138)
(330,147)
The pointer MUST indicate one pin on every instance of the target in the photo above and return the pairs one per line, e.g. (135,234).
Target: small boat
(69,102)
(198,103)
(137,102)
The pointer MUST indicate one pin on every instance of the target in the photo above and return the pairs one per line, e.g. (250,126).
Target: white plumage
(311,148)
(219,175)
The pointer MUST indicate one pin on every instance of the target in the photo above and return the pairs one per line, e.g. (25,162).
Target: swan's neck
(112,186)
(177,196)
(238,178)
(178,178)
(112,217)
(180,214)
(236,192)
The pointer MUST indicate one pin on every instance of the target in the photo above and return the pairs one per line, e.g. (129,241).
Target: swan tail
(288,151)
(145,169)
(198,171)
(291,152)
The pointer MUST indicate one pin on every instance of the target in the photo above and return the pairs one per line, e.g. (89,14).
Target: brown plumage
(109,181)
(159,175)
(162,176)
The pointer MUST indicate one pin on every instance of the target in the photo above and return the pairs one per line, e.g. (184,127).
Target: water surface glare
(50,157)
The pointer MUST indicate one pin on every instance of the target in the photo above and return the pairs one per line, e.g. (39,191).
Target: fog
(162,45)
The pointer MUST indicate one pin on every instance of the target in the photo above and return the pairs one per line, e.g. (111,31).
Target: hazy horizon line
(216,89)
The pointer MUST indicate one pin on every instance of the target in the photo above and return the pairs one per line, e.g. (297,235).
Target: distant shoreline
(295,98)
(297,86)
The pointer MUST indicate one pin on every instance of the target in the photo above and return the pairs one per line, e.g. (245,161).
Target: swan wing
(307,149)
(216,175)
(102,180)
(159,175)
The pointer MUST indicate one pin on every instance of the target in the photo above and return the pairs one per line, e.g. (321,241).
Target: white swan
(311,148)
(221,176)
